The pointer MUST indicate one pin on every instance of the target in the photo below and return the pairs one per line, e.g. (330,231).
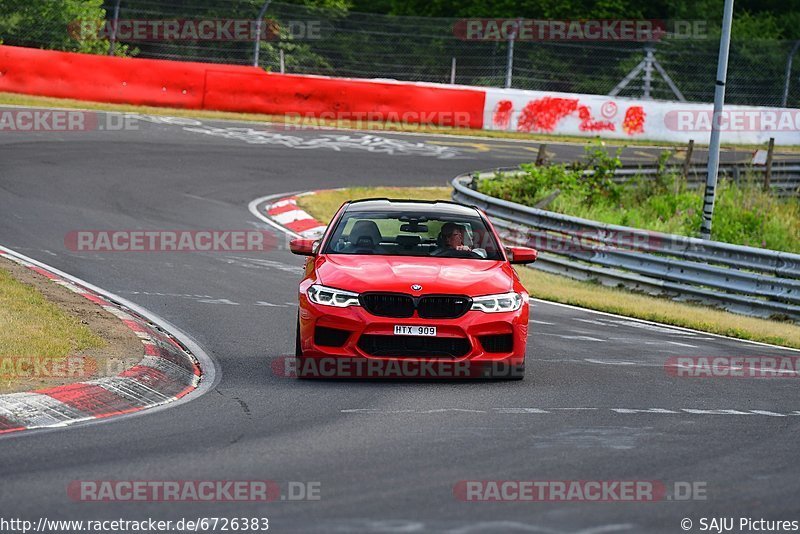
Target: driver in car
(451,243)
(453,237)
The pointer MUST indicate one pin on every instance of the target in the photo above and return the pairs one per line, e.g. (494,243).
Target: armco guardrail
(741,279)
(784,181)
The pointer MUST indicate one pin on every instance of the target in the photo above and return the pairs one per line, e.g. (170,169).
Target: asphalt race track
(387,456)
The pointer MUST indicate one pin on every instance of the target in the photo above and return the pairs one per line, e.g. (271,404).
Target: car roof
(437,207)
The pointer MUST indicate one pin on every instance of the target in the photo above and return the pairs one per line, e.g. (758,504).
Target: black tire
(298,352)
(298,349)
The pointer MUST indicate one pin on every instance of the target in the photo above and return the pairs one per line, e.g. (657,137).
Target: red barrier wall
(230,88)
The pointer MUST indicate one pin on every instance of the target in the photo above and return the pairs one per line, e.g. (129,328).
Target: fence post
(453,71)
(113,38)
(510,58)
(768,170)
(648,72)
(688,161)
(789,74)
(283,64)
(259,22)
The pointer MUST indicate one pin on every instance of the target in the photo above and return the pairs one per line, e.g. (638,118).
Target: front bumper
(475,339)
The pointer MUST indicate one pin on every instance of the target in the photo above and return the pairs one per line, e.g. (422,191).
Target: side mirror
(522,255)
(304,247)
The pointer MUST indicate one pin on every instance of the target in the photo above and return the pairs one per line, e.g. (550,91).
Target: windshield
(412,233)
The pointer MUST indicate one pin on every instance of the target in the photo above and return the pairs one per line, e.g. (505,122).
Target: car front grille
(443,306)
(414,347)
(428,307)
(388,304)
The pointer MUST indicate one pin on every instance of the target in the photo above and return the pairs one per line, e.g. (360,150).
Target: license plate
(402,330)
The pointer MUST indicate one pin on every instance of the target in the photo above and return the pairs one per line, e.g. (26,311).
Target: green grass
(36,327)
(43,101)
(589,295)
(744,214)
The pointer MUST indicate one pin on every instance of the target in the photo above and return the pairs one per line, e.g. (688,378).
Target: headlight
(504,302)
(328,296)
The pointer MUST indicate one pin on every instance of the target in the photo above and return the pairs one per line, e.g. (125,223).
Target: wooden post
(688,161)
(542,155)
(768,170)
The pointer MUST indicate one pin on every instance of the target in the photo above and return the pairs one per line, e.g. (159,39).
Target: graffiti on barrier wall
(544,115)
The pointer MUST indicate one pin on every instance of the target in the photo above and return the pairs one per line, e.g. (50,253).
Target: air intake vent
(497,343)
(330,337)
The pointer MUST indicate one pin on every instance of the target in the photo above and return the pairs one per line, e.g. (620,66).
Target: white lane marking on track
(607,362)
(573,337)
(688,331)
(269,304)
(219,301)
(212,200)
(256,263)
(540,322)
(550,411)
(160,294)
(682,344)
(592,321)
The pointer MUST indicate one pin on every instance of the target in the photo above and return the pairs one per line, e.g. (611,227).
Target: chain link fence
(307,40)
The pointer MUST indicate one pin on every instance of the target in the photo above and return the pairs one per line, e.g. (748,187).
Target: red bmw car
(411,288)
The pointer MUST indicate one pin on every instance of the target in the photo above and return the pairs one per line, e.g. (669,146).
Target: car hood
(362,273)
